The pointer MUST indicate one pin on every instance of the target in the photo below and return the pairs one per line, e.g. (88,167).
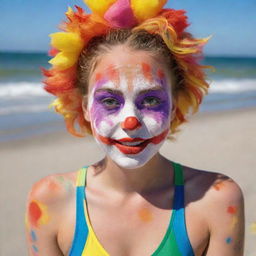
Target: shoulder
(220,196)
(52,187)
(49,196)
(46,210)
(212,185)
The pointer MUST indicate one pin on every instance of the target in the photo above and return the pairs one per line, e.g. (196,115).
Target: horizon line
(226,55)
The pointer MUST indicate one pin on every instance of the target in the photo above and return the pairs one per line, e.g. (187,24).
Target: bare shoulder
(217,200)
(53,187)
(47,207)
(211,186)
(48,197)
(214,191)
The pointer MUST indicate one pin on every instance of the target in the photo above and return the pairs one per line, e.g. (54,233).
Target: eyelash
(157,103)
(107,103)
(112,103)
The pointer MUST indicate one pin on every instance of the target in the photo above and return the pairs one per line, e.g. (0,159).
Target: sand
(223,142)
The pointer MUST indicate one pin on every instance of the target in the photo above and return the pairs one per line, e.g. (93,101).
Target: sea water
(24,104)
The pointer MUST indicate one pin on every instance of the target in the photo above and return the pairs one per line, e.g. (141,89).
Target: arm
(225,216)
(43,205)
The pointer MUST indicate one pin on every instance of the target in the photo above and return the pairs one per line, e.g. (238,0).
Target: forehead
(121,55)
(124,68)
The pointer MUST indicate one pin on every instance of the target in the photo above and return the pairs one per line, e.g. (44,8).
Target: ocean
(24,104)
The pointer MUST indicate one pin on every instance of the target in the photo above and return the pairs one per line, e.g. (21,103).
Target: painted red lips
(133,149)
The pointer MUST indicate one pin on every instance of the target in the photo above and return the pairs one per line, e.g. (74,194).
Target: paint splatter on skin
(234,221)
(143,92)
(147,72)
(130,72)
(145,215)
(113,75)
(33,236)
(37,214)
(218,185)
(232,209)
(229,240)
(130,75)
(66,183)
(253,228)
(35,249)
(98,77)
(160,74)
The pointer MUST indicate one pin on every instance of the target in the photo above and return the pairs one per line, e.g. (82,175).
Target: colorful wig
(106,15)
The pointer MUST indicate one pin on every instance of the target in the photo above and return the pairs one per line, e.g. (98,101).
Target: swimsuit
(174,243)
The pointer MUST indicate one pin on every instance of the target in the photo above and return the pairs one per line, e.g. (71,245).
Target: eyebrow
(112,91)
(155,88)
(109,90)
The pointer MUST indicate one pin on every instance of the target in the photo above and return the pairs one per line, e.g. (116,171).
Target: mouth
(133,146)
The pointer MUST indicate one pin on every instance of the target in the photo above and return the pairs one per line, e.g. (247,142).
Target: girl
(129,75)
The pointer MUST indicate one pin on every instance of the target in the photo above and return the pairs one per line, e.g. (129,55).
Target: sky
(25,24)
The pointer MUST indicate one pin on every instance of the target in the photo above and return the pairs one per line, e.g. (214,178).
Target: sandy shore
(223,142)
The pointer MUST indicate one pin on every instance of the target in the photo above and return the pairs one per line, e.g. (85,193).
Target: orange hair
(80,28)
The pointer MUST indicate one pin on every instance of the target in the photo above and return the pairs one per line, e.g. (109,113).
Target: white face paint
(131,103)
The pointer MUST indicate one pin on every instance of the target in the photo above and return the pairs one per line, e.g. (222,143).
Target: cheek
(158,118)
(97,114)
(155,123)
(102,120)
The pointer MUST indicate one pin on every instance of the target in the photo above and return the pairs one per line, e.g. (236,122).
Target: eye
(110,103)
(151,101)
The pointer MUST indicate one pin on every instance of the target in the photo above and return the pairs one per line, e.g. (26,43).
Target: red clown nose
(130,123)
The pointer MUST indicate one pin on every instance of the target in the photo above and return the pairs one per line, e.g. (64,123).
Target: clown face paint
(37,214)
(129,109)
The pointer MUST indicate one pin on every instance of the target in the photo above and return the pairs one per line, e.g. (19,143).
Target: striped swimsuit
(174,243)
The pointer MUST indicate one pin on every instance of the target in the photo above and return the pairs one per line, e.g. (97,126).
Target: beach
(34,142)
(211,53)
(217,141)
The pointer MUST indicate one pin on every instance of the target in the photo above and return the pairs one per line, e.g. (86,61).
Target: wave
(22,89)
(30,97)
(27,89)
(232,86)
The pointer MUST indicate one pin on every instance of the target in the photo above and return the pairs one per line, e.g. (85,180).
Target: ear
(85,108)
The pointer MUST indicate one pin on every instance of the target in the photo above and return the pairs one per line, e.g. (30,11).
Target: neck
(155,175)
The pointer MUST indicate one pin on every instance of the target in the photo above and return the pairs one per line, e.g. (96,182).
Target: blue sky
(25,24)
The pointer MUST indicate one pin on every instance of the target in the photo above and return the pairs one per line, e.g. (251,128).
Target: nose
(130,123)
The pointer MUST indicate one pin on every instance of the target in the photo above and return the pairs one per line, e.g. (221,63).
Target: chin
(133,161)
